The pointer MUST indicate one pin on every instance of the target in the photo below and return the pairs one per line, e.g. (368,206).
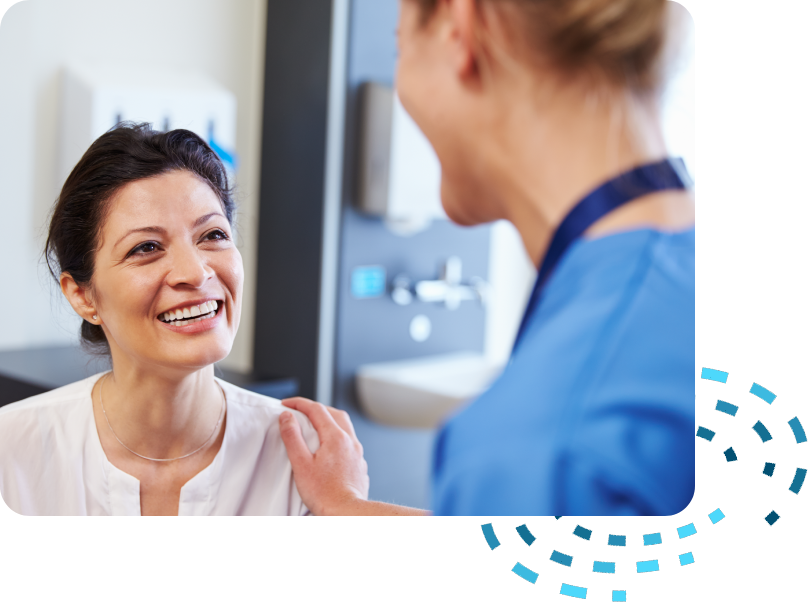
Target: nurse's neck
(553,151)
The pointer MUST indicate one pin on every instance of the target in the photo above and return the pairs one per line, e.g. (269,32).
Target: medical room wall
(220,39)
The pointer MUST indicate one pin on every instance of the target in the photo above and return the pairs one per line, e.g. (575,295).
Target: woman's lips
(196,327)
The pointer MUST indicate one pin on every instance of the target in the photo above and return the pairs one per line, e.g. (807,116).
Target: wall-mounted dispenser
(399,172)
(94,100)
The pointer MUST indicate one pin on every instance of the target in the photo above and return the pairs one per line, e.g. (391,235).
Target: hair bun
(619,40)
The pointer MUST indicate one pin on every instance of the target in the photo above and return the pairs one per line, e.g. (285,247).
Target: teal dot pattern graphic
(651,556)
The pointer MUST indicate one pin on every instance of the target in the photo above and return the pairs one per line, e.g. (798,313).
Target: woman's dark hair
(126,153)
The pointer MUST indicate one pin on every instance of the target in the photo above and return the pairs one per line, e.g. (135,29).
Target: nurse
(545,113)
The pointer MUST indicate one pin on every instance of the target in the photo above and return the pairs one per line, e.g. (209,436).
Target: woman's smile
(190,312)
(194,318)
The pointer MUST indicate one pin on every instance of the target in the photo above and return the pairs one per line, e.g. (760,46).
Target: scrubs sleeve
(498,485)
(468,494)
(498,478)
(586,486)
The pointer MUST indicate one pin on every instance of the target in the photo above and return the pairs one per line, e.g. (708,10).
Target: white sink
(420,393)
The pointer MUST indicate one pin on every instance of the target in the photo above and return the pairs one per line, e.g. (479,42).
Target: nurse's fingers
(319,415)
(342,418)
(296,448)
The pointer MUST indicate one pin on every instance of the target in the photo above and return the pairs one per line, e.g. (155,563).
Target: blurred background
(359,292)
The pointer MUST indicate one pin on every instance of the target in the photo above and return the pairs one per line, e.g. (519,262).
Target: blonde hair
(619,41)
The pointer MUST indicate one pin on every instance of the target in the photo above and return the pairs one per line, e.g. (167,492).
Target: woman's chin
(192,360)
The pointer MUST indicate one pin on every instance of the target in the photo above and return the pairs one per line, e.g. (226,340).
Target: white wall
(221,38)
(679,96)
(511,275)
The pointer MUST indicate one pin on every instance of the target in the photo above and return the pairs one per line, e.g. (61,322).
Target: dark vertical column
(293,154)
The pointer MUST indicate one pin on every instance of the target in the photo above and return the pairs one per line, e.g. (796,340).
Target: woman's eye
(144,248)
(216,235)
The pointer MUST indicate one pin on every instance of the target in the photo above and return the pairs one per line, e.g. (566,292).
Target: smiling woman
(141,244)
(125,173)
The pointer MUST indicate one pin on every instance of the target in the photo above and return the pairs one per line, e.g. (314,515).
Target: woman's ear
(79,298)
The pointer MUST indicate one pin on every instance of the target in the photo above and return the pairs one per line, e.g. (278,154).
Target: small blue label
(368,282)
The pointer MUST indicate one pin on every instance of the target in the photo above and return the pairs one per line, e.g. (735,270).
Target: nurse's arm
(332,481)
(371,508)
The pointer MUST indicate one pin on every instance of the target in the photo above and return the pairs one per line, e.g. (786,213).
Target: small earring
(95,317)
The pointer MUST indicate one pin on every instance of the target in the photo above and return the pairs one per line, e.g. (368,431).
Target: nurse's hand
(335,477)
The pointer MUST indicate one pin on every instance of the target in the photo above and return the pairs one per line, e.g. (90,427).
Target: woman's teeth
(188,315)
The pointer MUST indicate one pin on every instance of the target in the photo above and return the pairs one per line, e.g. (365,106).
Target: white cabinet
(95,100)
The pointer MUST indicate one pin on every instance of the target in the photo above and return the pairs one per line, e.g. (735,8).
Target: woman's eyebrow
(159,230)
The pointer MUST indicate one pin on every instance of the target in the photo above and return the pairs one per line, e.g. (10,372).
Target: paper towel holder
(398,170)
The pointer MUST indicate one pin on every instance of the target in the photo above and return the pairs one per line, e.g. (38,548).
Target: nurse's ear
(462,21)
(80,298)
(478,35)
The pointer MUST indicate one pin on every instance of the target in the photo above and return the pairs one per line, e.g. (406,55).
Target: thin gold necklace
(215,428)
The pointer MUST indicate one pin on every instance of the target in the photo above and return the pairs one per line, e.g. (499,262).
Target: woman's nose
(188,267)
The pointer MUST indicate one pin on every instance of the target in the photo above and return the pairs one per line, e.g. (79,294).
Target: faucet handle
(402,290)
(453,271)
(480,287)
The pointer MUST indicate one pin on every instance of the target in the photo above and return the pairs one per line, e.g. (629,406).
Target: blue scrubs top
(595,413)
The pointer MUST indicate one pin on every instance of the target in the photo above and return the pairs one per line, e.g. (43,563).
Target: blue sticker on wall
(368,282)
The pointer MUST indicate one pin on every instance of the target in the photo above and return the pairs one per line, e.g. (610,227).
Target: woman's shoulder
(50,416)
(259,410)
(251,412)
(55,399)
(249,400)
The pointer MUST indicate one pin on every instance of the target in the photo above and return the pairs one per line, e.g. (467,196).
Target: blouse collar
(197,497)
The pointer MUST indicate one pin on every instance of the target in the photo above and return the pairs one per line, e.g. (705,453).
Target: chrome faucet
(447,289)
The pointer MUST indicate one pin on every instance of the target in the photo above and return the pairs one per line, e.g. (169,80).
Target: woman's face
(168,278)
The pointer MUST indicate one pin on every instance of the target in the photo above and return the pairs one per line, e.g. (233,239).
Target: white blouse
(52,462)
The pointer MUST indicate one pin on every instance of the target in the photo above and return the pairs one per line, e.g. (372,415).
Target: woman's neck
(160,413)
(547,156)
